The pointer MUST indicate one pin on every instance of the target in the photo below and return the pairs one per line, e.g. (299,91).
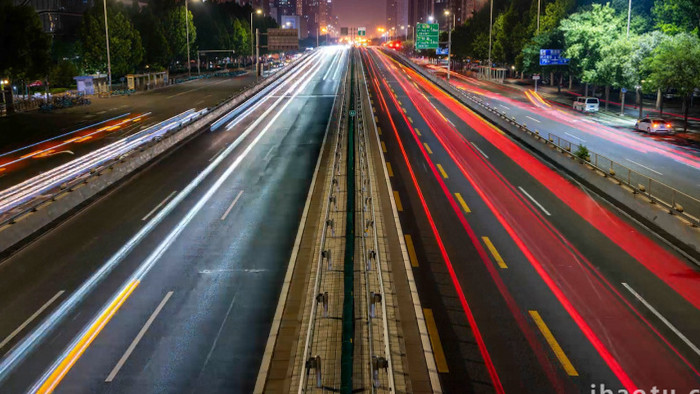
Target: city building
(59,17)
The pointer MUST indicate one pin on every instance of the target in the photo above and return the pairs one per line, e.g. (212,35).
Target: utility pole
(257,53)
(318,33)
(258,11)
(449,43)
(187,31)
(629,16)
(490,32)
(109,62)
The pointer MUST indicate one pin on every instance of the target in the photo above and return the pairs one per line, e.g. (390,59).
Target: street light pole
(109,62)
(187,31)
(538,16)
(629,16)
(449,44)
(252,38)
(490,32)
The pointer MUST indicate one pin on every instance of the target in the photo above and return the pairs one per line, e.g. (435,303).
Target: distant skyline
(368,13)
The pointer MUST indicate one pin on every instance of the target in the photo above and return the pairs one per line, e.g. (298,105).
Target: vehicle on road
(654,126)
(586,104)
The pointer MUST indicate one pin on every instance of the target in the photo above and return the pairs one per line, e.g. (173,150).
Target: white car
(654,126)
(586,104)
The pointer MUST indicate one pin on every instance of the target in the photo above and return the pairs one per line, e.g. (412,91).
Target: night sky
(367,13)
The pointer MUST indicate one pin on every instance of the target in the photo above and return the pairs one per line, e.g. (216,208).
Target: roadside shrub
(583,153)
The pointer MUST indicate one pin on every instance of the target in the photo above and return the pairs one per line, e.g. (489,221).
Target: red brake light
(655,125)
(668,125)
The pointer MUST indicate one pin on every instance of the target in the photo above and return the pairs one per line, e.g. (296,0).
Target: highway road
(531,283)
(66,134)
(169,282)
(664,158)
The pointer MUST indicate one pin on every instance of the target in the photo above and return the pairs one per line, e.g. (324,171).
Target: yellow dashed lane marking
(558,351)
(494,252)
(399,206)
(438,351)
(462,203)
(383,147)
(428,149)
(388,169)
(442,171)
(411,251)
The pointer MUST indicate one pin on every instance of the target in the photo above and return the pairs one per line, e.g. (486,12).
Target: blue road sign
(441,51)
(552,57)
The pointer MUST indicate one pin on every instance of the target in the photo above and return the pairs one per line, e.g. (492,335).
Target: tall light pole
(187,33)
(449,43)
(629,16)
(538,16)
(490,32)
(109,62)
(252,38)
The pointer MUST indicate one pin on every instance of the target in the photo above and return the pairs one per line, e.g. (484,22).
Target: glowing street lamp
(259,12)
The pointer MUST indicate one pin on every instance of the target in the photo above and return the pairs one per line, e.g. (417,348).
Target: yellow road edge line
(399,206)
(438,351)
(388,169)
(411,250)
(463,203)
(427,148)
(558,351)
(442,171)
(383,147)
(67,363)
(494,252)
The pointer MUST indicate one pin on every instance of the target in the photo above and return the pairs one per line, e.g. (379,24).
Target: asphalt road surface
(183,263)
(534,284)
(670,160)
(33,127)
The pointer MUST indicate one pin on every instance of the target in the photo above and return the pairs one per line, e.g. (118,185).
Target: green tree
(675,16)
(156,49)
(25,47)
(675,63)
(241,37)
(176,33)
(126,50)
(62,74)
(586,33)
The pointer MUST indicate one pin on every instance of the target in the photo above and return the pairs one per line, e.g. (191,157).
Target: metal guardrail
(675,201)
(370,247)
(338,111)
(58,190)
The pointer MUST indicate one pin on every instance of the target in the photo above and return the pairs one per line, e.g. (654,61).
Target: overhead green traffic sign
(427,36)
(361,31)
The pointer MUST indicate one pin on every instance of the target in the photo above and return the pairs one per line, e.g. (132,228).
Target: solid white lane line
(267,155)
(10,360)
(573,136)
(643,166)
(30,319)
(531,118)
(235,200)
(158,206)
(480,151)
(136,340)
(330,67)
(535,201)
(217,154)
(663,319)
(504,106)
